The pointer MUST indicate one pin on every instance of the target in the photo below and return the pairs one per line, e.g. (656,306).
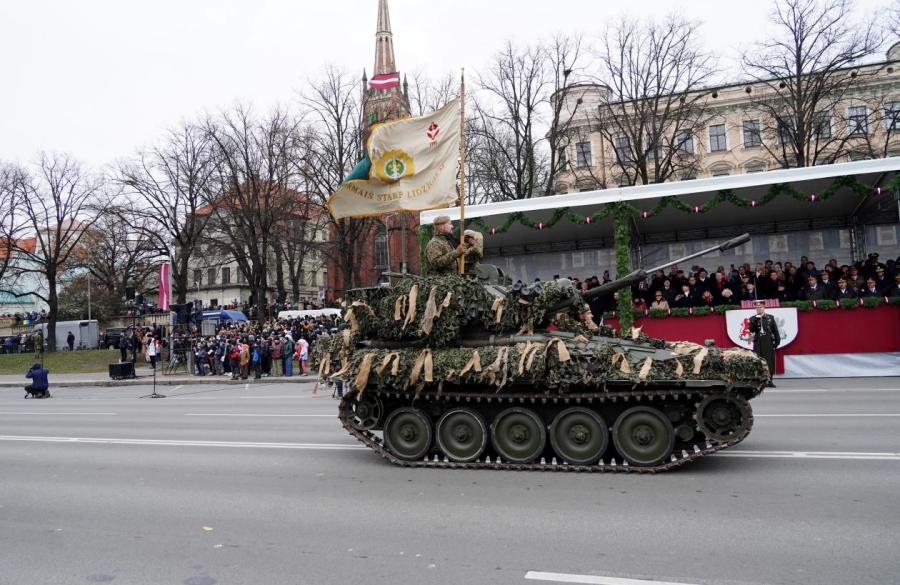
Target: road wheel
(643,436)
(365,413)
(518,435)
(408,433)
(579,436)
(462,434)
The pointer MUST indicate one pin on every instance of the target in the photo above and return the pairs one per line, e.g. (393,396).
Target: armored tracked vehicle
(469,371)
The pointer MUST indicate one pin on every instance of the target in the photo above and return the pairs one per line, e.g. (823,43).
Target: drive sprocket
(724,417)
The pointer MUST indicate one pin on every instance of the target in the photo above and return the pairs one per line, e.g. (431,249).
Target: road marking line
(61,413)
(180,443)
(334,416)
(849,390)
(810,455)
(592,579)
(824,415)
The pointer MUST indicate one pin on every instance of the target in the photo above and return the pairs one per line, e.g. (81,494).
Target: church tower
(383,98)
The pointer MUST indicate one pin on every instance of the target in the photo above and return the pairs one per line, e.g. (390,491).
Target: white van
(311,313)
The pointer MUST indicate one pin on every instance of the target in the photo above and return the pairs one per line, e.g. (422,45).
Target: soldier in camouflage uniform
(440,254)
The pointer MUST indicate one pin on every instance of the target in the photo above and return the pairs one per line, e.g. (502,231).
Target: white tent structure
(847,225)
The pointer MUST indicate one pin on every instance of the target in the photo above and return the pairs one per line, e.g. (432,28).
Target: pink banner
(165,287)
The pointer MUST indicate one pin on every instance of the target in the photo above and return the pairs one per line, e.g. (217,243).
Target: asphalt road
(254,485)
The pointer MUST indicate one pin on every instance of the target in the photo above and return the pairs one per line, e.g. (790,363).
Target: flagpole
(462,166)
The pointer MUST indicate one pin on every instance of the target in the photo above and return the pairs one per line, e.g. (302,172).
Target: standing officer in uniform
(765,337)
(440,254)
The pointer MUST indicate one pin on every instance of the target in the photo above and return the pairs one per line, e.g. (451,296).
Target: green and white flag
(411,165)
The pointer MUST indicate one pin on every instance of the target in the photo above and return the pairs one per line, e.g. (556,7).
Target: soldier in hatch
(474,249)
(441,256)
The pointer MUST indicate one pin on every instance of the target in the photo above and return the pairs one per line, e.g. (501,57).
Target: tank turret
(474,371)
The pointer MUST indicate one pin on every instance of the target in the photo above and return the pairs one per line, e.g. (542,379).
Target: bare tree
(654,106)
(255,164)
(508,159)
(892,26)
(58,205)
(806,75)
(427,94)
(564,63)
(10,225)
(167,191)
(331,148)
(114,257)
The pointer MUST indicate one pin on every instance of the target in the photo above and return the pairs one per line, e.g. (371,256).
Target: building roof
(27,244)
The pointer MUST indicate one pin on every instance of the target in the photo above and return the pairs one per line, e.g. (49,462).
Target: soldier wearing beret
(765,337)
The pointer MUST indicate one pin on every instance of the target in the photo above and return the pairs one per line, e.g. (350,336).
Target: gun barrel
(732,243)
(619,283)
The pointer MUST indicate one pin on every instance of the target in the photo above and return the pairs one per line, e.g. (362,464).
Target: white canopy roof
(778,214)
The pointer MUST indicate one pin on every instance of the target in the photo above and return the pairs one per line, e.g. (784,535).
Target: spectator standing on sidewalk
(152,351)
(303,355)
(276,351)
(287,353)
(256,360)
(245,360)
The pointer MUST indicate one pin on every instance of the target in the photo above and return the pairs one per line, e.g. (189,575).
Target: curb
(148,381)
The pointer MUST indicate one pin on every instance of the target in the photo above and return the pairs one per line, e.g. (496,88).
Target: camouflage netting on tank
(431,308)
(558,365)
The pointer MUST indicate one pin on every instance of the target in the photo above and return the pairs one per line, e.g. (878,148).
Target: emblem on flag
(394,165)
(433,130)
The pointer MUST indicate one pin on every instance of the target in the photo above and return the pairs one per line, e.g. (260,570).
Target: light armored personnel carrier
(467,371)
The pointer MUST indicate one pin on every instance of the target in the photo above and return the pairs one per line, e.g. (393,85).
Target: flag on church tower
(411,165)
(385,81)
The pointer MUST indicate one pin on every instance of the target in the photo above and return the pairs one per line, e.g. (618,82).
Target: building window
(240,278)
(684,142)
(381,251)
(754,168)
(751,134)
(583,154)
(892,116)
(653,149)
(211,276)
(720,170)
(198,277)
(856,120)
(784,132)
(822,124)
(563,159)
(623,149)
(717,142)
(226,275)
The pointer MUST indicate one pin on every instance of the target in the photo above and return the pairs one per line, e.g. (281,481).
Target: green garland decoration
(622,248)
(724,196)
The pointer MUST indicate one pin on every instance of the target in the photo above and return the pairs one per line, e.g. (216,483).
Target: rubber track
(372,441)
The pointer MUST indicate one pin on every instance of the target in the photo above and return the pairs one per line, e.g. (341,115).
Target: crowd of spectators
(20,320)
(259,348)
(785,281)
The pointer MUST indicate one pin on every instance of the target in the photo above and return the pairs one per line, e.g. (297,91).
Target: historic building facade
(734,136)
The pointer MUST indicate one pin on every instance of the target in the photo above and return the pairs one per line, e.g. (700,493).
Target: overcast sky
(100,78)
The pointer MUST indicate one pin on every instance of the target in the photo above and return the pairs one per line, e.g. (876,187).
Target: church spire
(384,42)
